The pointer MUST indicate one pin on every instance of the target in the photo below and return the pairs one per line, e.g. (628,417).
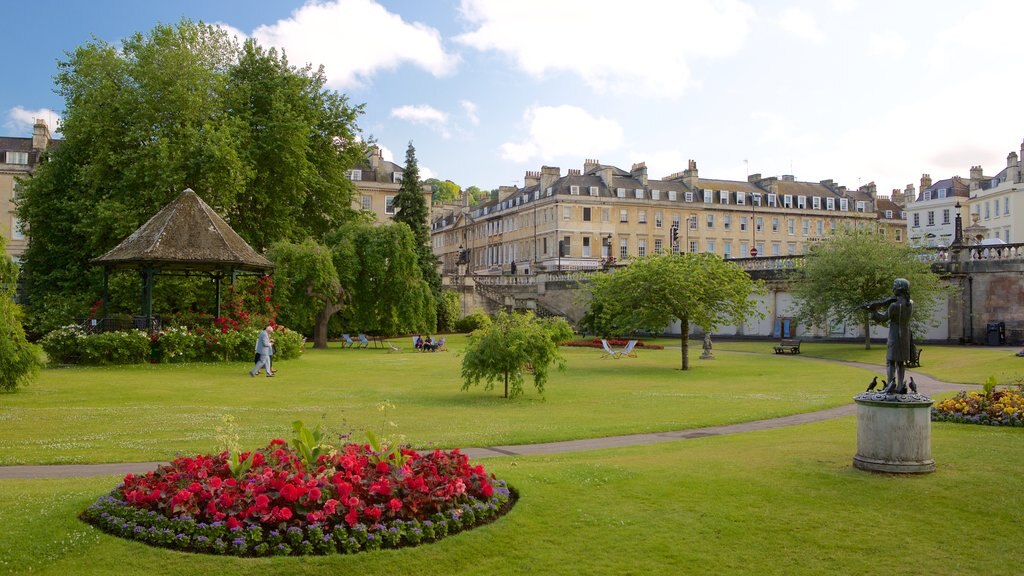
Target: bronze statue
(897,312)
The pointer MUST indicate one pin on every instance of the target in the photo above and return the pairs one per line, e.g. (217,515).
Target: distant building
(997,204)
(602,214)
(931,216)
(18,159)
(377,182)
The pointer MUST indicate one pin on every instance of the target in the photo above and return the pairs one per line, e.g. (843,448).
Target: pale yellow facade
(603,215)
(18,158)
(377,183)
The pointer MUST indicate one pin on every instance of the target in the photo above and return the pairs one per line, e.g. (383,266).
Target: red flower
(262,501)
(233,523)
(383,467)
(374,513)
(352,517)
(394,505)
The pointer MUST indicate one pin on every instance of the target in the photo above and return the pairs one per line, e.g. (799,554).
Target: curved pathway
(925,384)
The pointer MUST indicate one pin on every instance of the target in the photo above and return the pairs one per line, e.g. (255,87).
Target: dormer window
(655,194)
(689,196)
(593,190)
(830,203)
(861,206)
(888,214)
(355,175)
(574,190)
(620,192)
(773,200)
(741,198)
(723,196)
(756,198)
(548,191)
(396,177)
(639,192)
(709,196)
(801,202)
(816,202)
(844,205)
(787,201)
(16,157)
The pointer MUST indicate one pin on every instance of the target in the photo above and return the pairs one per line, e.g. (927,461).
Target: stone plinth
(894,433)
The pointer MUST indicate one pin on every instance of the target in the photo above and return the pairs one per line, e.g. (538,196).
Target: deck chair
(628,350)
(608,350)
(363,341)
(441,346)
(346,341)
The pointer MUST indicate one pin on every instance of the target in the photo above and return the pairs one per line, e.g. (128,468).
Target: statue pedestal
(894,433)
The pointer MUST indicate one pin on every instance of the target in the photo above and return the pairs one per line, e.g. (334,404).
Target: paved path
(925,385)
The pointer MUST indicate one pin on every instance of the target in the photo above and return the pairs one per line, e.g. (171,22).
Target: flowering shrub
(126,347)
(64,344)
(614,342)
(993,407)
(348,503)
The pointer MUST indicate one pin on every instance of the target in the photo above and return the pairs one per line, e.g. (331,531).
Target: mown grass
(155,412)
(783,501)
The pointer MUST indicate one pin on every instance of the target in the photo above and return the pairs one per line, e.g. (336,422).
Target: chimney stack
(926,181)
(548,176)
(531,178)
(1012,167)
(589,165)
(690,175)
(639,172)
(40,135)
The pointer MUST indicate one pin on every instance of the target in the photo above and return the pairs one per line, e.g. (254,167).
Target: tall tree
(696,289)
(183,106)
(504,350)
(476,195)
(20,360)
(307,287)
(389,295)
(411,208)
(852,267)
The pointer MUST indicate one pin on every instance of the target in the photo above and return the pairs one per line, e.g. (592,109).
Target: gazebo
(186,237)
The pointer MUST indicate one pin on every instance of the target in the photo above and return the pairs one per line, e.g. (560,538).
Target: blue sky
(850,90)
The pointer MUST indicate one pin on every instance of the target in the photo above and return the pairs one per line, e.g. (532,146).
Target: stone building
(18,159)
(601,215)
(997,204)
(377,182)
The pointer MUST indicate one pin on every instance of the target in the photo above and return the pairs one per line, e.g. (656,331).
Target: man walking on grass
(264,350)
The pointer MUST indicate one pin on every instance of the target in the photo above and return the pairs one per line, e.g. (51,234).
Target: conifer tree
(412,209)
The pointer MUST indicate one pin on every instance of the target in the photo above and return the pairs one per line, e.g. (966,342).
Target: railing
(997,252)
(98,325)
(770,263)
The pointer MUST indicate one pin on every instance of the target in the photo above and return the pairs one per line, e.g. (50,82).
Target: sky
(855,91)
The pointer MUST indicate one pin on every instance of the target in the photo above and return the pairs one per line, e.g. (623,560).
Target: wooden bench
(916,361)
(788,347)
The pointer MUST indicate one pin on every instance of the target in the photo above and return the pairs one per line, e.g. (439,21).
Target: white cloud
(470,109)
(354,39)
(232,31)
(588,38)
(20,120)
(802,25)
(660,163)
(845,5)
(424,114)
(887,45)
(556,131)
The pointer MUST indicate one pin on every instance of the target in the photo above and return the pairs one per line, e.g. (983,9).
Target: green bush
(289,344)
(178,344)
(478,319)
(128,347)
(64,345)
(448,308)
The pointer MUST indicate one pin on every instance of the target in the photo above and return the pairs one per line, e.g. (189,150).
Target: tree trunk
(867,331)
(320,331)
(684,337)
(506,384)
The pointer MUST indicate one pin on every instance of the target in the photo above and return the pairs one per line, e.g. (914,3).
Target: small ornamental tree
(509,347)
(853,267)
(696,289)
(20,361)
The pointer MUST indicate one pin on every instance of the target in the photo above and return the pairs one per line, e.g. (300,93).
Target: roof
(186,235)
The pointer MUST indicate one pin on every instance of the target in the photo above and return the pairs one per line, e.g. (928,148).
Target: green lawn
(783,501)
(153,412)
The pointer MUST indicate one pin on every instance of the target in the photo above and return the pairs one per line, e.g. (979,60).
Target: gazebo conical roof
(185,235)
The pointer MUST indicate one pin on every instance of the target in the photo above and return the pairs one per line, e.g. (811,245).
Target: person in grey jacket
(265,349)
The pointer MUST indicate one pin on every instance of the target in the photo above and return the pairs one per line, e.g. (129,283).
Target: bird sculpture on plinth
(913,385)
(874,383)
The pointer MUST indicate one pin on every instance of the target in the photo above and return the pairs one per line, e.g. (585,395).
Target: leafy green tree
(448,311)
(261,141)
(388,293)
(411,209)
(476,195)
(20,360)
(651,292)
(852,267)
(447,191)
(509,347)
(307,287)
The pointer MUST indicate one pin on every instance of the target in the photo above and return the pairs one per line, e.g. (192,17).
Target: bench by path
(925,384)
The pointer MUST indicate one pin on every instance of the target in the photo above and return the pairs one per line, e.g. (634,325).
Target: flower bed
(354,499)
(992,407)
(615,343)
